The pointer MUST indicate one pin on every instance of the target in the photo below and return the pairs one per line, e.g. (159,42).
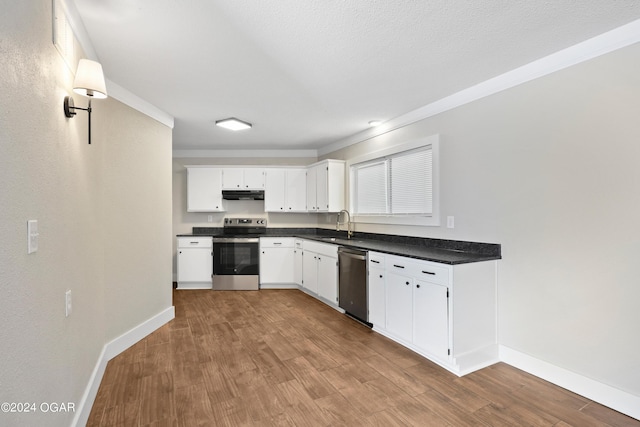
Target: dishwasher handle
(359,255)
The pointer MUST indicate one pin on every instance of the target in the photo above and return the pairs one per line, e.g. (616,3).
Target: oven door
(236,263)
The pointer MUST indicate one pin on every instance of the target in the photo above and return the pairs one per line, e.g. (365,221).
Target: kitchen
(545,168)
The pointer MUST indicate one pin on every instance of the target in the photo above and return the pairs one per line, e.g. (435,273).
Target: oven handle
(236,240)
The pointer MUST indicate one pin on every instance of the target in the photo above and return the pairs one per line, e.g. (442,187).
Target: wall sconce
(89,82)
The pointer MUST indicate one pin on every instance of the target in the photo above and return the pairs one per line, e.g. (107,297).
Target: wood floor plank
(281,357)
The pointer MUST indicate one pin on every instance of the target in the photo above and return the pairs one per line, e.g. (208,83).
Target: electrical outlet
(210,218)
(67,303)
(32,236)
(450,222)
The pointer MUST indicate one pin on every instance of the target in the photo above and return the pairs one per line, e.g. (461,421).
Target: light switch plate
(32,236)
(67,303)
(450,222)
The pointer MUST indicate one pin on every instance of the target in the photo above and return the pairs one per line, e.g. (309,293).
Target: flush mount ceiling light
(233,124)
(89,82)
(375,122)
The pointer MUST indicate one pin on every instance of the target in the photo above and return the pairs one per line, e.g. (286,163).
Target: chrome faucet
(349,230)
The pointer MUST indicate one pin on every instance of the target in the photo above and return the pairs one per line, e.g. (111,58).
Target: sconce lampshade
(89,79)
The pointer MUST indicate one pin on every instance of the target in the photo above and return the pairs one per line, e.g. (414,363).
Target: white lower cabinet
(431,318)
(194,262)
(297,262)
(399,301)
(276,261)
(447,313)
(310,271)
(328,278)
(376,288)
(320,270)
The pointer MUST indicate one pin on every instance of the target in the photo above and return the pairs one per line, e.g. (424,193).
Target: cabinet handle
(277,243)
(417,286)
(406,283)
(381,276)
(429,272)
(399,266)
(377,262)
(194,243)
(262,251)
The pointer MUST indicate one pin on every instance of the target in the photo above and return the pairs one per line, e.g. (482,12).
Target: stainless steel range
(236,264)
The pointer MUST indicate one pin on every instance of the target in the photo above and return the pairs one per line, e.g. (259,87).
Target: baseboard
(109,351)
(279,286)
(606,395)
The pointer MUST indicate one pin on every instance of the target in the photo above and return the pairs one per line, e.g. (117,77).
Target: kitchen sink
(340,239)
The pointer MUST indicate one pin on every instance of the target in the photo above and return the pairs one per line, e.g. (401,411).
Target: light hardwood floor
(279,357)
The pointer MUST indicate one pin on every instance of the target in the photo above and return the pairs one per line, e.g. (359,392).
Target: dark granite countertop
(437,250)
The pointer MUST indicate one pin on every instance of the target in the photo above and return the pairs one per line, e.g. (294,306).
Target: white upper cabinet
(285,190)
(243,179)
(325,186)
(296,190)
(274,190)
(204,189)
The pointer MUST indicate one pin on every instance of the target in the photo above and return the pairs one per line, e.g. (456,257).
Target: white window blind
(371,179)
(411,191)
(399,184)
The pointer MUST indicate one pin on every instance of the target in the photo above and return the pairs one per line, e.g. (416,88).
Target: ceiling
(307,73)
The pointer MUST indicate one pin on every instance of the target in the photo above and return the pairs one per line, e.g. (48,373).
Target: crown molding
(123,95)
(245,153)
(610,41)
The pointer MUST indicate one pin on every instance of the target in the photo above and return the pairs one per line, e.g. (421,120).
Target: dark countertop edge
(442,251)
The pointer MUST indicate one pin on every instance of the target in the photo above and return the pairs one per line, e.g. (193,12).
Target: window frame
(432,219)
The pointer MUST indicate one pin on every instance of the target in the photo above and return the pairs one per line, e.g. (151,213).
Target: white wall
(104,213)
(549,169)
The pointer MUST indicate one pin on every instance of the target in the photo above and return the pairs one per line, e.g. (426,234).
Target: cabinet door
(431,318)
(232,178)
(274,200)
(399,305)
(377,309)
(194,265)
(297,266)
(310,271)
(276,265)
(322,190)
(311,190)
(295,190)
(328,278)
(253,179)
(204,190)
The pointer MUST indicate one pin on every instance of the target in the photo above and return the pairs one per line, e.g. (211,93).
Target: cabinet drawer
(276,242)
(420,270)
(195,242)
(376,259)
(325,249)
(432,272)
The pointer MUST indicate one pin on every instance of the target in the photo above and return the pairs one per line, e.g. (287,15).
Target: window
(396,186)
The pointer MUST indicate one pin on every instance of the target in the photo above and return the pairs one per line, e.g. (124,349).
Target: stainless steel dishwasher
(352,266)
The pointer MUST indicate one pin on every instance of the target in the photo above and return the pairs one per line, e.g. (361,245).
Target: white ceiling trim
(123,95)
(245,153)
(589,49)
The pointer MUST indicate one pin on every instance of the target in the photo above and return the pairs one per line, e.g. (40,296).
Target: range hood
(243,194)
